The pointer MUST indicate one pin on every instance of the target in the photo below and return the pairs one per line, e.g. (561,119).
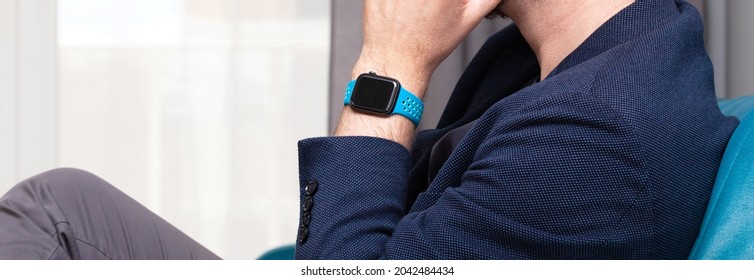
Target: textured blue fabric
(728,228)
(613,156)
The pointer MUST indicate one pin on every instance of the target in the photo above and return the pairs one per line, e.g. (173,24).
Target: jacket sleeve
(361,188)
(562,177)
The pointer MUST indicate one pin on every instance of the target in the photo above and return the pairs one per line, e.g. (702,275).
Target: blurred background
(194,107)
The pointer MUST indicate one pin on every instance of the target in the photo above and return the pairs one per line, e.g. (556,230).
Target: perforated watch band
(407,104)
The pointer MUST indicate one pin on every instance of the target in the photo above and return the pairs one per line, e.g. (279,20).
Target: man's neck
(555,28)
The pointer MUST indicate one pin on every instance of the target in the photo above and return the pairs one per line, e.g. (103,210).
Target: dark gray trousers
(72,214)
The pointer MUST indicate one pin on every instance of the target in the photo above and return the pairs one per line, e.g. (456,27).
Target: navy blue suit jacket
(612,156)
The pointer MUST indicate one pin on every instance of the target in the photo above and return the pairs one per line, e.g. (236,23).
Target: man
(588,130)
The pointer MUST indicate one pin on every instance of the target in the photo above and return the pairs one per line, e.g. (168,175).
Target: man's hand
(417,35)
(407,40)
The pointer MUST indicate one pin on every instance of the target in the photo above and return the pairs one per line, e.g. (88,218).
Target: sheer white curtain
(194,108)
(28,88)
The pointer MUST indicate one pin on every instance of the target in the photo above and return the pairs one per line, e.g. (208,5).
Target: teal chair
(287,252)
(727,231)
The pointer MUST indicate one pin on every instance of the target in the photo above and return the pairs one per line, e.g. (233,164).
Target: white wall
(8,28)
(28,89)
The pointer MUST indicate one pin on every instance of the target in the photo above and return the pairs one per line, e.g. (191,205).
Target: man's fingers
(481,8)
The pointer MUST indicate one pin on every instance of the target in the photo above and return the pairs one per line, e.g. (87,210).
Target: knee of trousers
(49,205)
(66,181)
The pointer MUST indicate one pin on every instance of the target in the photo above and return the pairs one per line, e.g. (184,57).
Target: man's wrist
(413,76)
(394,127)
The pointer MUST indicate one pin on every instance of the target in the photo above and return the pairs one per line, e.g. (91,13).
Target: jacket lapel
(521,65)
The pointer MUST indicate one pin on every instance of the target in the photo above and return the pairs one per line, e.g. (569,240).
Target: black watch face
(375,94)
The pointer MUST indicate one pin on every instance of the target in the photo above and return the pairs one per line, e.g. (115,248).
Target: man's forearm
(407,40)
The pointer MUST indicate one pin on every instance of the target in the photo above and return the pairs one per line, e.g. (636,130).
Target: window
(194,108)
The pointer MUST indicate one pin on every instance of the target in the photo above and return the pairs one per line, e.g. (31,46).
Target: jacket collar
(635,20)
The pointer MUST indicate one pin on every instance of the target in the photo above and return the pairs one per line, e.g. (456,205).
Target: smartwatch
(379,95)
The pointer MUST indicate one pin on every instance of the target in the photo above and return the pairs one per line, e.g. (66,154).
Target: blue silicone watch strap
(407,104)
(410,106)
(349,91)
